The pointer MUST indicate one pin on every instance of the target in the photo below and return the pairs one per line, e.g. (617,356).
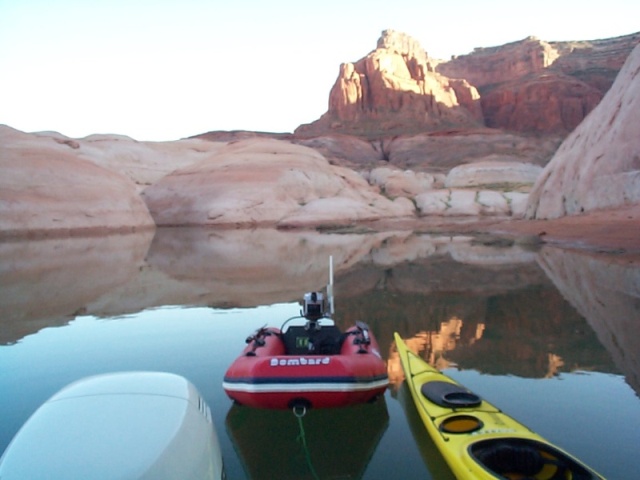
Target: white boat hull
(130,425)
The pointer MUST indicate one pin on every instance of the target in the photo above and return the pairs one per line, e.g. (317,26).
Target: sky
(161,70)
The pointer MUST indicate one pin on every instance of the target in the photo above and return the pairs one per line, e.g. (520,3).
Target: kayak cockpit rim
(449,394)
(527,458)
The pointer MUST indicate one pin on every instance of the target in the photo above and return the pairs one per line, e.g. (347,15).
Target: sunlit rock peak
(404,45)
(395,89)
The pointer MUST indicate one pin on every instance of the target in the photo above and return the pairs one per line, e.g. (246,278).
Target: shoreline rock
(260,182)
(45,187)
(487,172)
(461,171)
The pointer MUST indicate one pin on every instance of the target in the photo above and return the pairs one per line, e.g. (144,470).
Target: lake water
(550,336)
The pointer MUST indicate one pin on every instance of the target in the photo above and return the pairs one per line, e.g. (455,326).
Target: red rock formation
(529,86)
(394,89)
(543,103)
(538,86)
(485,67)
(596,62)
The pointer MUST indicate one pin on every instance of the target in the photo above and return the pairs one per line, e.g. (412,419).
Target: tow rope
(299,412)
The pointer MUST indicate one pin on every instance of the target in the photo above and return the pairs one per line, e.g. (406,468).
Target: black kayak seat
(511,458)
(528,459)
(449,395)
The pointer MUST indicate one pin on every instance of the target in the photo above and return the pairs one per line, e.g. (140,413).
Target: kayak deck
(478,440)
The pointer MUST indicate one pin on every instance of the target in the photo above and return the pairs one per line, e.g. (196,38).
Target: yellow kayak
(477,440)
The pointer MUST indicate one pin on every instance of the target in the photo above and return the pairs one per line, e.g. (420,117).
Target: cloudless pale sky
(168,69)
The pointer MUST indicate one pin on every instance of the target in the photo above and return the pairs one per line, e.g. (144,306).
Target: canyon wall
(530,86)
(538,86)
(598,164)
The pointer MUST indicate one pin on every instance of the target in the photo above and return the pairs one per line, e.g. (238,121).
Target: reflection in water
(434,461)
(48,282)
(607,294)
(435,345)
(492,309)
(252,267)
(529,332)
(514,315)
(325,443)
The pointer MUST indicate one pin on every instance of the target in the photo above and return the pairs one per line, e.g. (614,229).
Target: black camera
(313,305)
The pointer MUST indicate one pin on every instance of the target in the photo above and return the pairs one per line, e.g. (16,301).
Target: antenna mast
(330,287)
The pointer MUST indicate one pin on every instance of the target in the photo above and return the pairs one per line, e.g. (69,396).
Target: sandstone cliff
(596,62)
(530,86)
(547,103)
(395,90)
(538,86)
(598,164)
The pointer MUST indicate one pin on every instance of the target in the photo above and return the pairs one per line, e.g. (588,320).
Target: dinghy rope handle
(299,410)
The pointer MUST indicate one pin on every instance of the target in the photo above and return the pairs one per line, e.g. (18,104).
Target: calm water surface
(551,337)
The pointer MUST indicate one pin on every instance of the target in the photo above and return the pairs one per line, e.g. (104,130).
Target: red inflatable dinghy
(315,365)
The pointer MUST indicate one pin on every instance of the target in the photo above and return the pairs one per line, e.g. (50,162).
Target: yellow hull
(476,439)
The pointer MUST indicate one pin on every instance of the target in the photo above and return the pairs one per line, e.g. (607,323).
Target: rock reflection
(491,308)
(606,291)
(47,282)
(245,268)
(529,331)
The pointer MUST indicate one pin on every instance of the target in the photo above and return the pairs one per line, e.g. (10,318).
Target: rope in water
(300,412)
